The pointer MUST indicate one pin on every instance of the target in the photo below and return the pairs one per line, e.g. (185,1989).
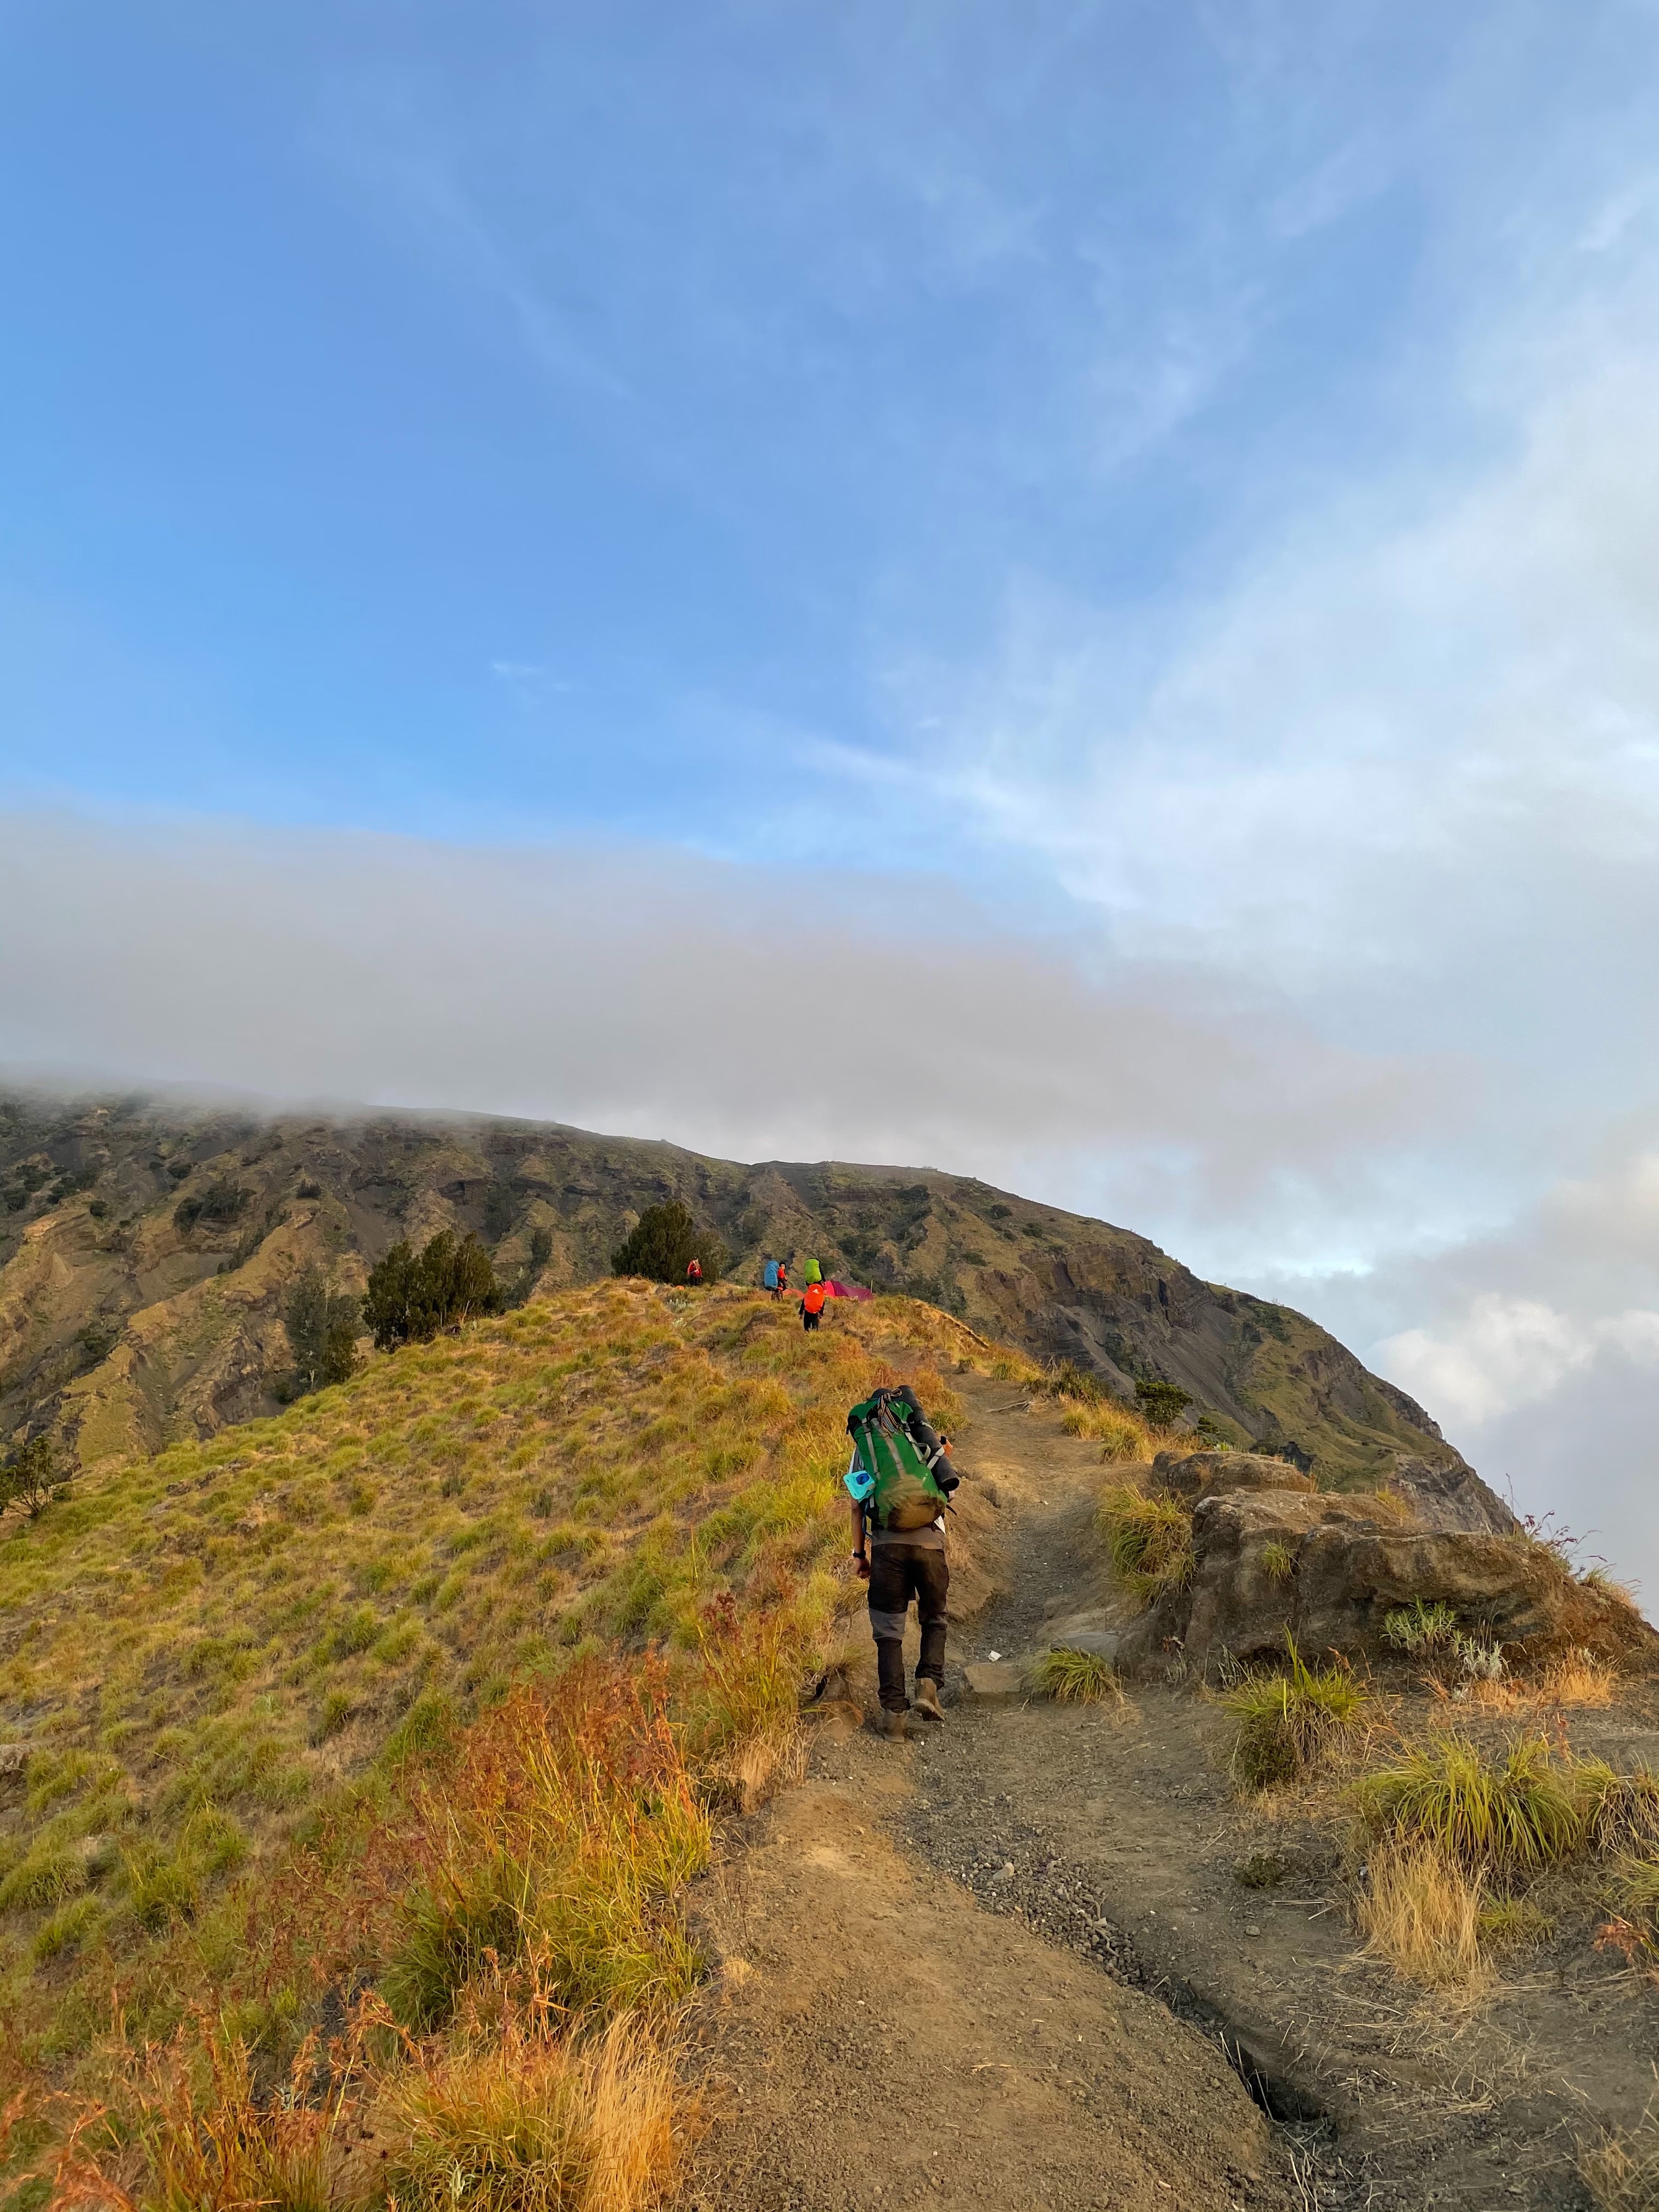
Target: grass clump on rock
(1076,1678)
(1148,1540)
(1289,1724)
(1418,1628)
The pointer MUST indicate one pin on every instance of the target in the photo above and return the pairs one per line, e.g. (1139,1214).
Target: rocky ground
(1031,1874)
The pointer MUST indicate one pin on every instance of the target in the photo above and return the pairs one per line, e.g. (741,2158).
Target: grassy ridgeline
(230,1653)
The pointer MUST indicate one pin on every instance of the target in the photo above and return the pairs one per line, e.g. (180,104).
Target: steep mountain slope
(145,1249)
(237,1624)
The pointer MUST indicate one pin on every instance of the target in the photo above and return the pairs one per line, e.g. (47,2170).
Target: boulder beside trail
(1453,1498)
(1328,1568)
(1192,1475)
(1431,1495)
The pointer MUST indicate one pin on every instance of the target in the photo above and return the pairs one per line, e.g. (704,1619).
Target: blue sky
(1127,530)
(491,421)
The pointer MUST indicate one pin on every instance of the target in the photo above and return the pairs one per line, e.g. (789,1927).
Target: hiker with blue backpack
(900,1482)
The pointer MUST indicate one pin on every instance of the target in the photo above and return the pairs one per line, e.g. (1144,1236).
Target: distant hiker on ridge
(694,1271)
(769,1278)
(783,1290)
(900,1482)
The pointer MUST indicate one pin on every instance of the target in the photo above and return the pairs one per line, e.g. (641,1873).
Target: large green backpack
(905,1494)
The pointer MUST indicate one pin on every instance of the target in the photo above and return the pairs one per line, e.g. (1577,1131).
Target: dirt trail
(1088,1856)
(882,2040)
(877,2037)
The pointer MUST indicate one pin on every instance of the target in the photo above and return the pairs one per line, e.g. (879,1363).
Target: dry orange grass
(529,2125)
(1577,1681)
(1622,2171)
(1420,1913)
(187,2130)
(524,1903)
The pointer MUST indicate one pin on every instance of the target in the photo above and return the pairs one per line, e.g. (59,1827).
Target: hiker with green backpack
(900,1482)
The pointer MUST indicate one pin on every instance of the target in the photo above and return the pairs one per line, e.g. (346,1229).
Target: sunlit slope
(146,1252)
(200,1649)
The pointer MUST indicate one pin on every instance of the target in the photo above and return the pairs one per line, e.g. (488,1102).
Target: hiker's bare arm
(857,1517)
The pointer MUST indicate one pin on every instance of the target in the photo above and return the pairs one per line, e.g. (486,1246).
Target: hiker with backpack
(900,1482)
(812,1305)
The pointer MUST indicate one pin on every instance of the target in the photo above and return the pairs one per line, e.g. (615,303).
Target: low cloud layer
(652,994)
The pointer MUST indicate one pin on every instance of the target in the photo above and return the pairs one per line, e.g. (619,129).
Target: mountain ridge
(146,1246)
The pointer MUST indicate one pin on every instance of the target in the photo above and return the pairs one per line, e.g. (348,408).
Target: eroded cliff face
(146,1249)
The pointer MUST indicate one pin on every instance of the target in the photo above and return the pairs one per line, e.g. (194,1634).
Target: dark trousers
(809,1320)
(899,1572)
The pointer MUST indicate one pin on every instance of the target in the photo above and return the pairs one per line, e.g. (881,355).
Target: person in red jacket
(694,1271)
(783,1290)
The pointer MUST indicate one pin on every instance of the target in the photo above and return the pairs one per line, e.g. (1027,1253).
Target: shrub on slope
(664,1243)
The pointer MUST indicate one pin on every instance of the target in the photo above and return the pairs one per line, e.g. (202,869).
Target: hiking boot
(895,1727)
(927,1699)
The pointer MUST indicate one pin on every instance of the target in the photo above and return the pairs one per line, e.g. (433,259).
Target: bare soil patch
(876,2038)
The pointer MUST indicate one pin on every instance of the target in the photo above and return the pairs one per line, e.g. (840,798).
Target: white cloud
(1538,1347)
(1393,736)
(1504,1354)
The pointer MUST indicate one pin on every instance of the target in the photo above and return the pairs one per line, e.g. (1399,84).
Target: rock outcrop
(1272,1556)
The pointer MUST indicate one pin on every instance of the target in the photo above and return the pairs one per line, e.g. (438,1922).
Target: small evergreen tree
(31,1479)
(222,1200)
(1163,1402)
(411,1296)
(665,1243)
(322,1330)
(340,1348)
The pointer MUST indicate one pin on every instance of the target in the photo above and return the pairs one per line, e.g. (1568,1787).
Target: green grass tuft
(1289,1724)
(1510,1923)
(1418,1628)
(1149,1540)
(1076,1678)
(52,1871)
(1516,1815)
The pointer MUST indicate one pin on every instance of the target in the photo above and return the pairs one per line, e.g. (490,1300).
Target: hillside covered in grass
(223,1664)
(146,1250)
